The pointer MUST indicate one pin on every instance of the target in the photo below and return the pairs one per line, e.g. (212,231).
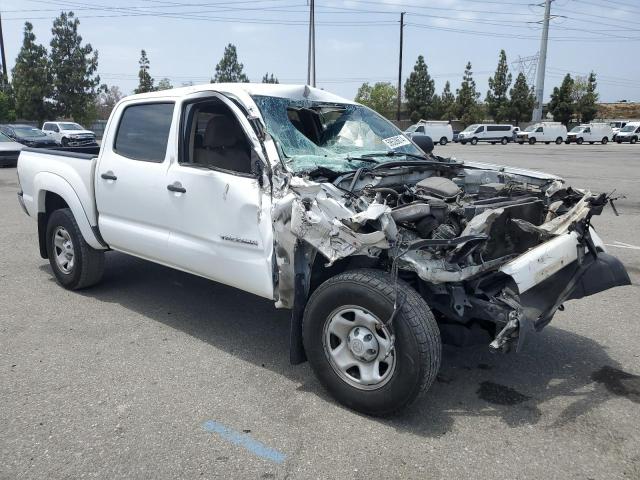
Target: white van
(546,132)
(590,132)
(629,133)
(616,126)
(440,132)
(486,132)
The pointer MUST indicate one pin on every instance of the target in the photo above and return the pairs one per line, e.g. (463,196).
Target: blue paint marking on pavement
(244,440)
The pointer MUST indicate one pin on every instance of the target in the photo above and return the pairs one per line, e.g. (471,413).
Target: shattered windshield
(331,135)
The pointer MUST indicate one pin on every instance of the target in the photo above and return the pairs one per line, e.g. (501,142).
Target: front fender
(50,182)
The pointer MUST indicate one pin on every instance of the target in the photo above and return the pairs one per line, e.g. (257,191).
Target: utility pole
(311,54)
(400,66)
(542,64)
(5,79)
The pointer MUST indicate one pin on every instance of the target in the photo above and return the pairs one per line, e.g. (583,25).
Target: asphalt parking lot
(159,374)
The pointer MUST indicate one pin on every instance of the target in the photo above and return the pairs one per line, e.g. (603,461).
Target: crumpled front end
(491,250)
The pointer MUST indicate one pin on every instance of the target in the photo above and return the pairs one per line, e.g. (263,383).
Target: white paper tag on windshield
(396,142)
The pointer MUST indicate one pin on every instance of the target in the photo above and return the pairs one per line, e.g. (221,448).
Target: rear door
(131,186)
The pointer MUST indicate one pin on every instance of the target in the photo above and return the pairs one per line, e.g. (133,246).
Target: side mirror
(424,142)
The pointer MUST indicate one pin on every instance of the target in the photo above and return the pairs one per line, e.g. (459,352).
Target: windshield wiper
(362,158)
(392,153)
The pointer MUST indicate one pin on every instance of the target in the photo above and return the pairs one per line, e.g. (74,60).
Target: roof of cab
(294,92)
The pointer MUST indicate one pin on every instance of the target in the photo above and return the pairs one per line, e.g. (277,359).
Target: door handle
(176,187)
(109,176)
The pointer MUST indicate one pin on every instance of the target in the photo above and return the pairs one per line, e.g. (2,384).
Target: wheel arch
(311,271)
(53,193)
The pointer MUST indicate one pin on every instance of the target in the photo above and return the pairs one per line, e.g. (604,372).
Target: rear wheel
(504,140)
(365,364)
(532,141)
(558,140)
(605,140)
(443,141)
(74,262)
(474,141)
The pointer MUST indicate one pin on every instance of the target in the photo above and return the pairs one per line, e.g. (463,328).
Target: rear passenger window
(143,132)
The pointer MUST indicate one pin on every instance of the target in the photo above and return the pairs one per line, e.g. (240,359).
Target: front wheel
(74,262)
(64,142)
(633,140)
(366,365)
(474,141)
(443,141)
(532,141)
(580,141)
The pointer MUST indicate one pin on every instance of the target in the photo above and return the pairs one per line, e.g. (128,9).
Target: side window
(55,128)
(539,129)
(587,130)
(213,138)
(479,129)
(143,132)
(47,127)
(420,129)
(638,130)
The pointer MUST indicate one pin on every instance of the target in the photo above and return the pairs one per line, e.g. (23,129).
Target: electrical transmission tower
(527,66)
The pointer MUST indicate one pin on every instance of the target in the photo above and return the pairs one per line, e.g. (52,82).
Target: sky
(356,40)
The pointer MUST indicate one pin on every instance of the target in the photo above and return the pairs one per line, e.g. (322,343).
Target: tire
(591,143)
(415,357)
(86,265)
(64,142)
(443,141)
(567,142)
(474,141)
(559,141)
(463,142)
(532,141)
(618,141)
(580,141)
(547,143)
(633,140)
(504,140)
(521,143)
(492,143)
(605,140)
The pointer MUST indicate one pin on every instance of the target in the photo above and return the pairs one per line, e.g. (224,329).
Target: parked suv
(27,135)
(69,134)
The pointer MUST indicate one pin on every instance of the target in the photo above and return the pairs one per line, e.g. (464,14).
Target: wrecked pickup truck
(291,193)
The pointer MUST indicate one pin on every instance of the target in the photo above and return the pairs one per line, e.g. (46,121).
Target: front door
(220,215)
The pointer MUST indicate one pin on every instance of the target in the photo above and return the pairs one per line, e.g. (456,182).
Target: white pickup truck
(379,248)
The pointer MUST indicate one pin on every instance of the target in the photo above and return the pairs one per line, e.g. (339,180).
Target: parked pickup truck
(377,245)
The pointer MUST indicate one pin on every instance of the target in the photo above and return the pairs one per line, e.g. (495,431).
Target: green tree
(447,103)
(228,68)
(7,105)
(145,81)
(73,70)
(164,84)
(497,102)
(269,78)
(585,98)
(561,105)
(419,90)
(521,101)
(381,97)
(467,108)
(31,79)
